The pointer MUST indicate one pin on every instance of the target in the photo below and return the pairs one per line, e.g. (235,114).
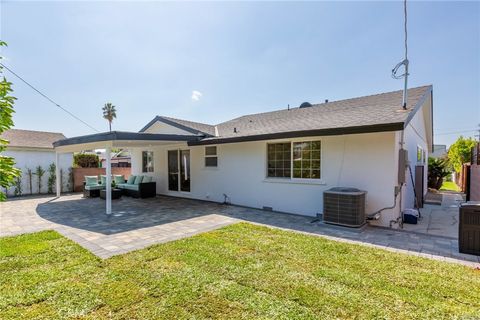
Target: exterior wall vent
(344,206)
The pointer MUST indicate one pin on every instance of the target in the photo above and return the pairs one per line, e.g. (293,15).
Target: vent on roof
(306,105)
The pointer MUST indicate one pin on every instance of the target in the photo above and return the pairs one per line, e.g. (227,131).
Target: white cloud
(196,95)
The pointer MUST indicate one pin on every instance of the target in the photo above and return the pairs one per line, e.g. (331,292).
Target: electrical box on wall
(402,165)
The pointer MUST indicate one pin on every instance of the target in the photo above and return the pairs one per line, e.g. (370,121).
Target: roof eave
(119,135)
(303,133)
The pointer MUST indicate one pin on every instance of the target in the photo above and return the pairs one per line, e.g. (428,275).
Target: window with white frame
(279,160)
(147,161)
(211,158)
(420,155)
(298,160)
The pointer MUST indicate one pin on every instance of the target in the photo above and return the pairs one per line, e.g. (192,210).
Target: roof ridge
(178,119)
(36,131)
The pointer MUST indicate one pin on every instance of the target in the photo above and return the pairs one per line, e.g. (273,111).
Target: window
(279,157)
(211,159)
(306,159)
(147,161)
(420,154)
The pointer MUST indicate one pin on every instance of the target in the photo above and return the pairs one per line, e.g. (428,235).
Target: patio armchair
(139,187)
(91,187)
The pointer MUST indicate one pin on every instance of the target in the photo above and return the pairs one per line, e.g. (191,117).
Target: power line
(454,132)
(46,97)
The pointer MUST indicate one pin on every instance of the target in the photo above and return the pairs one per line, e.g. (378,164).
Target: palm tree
(109,113)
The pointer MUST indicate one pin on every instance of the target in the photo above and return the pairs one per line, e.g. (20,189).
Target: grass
(449,186)
(240,271)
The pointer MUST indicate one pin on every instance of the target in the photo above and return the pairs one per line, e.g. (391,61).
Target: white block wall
(32,159)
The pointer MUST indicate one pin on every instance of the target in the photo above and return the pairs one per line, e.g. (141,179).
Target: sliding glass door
(179,170)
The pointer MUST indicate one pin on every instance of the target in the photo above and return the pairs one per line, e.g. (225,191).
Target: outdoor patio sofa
(135,186)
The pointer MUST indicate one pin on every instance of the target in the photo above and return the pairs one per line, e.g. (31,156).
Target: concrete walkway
(439,220)
(138,223)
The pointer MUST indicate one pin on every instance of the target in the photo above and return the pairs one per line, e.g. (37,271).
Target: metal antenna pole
(403,63)
(405,88)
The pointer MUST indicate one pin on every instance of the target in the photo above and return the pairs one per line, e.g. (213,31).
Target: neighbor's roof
(31,139)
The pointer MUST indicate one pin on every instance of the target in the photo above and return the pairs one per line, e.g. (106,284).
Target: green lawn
(449,186)
(241,271)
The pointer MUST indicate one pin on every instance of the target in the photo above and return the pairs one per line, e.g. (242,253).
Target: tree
(52,177)
(438,169)
(39,172)
(460,152)
(8,173)
(109,113)
(86,160)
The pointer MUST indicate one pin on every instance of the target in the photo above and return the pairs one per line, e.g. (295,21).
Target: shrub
(39,172)
(51,177)
(86,160)
(438,169)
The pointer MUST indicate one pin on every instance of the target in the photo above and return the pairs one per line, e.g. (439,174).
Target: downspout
(399,219)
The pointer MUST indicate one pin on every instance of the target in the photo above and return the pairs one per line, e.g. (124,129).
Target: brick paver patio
(138,223)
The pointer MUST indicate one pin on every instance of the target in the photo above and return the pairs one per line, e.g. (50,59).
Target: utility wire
(454,132)
(46,97)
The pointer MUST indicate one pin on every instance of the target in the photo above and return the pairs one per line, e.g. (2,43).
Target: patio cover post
(58,178)
(108,199)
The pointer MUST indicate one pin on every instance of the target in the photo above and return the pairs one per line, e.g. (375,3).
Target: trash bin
(410,216)
(469,228)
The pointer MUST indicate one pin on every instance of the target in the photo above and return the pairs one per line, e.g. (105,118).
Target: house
(439,151)
(284,160)
(120,159)
(31,149)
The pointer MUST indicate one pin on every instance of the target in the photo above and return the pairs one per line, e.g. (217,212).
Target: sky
(213,61)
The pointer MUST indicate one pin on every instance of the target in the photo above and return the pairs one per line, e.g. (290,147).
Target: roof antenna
(404,62)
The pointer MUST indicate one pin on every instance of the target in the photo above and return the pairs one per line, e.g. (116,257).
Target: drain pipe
(399,219)
(376,215)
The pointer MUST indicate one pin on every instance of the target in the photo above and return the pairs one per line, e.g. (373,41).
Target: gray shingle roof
(379,109)
(202,127)
(379,112)
(31,139)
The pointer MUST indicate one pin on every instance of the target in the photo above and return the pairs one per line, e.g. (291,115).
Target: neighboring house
(439,151)
(31,149)
(120,159)
(284,160)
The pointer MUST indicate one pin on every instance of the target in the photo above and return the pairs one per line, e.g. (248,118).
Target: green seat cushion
(103,179)
(131,179)
(138,180)
(91,180)
(119,179)
(121,185)
(146,179)
(94,187)
(131,187)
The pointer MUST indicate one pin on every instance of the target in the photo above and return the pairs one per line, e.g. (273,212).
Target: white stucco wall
(365,161)
(31,158)
(415,134)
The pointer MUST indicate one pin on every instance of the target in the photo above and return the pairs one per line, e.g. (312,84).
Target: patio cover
(113,139)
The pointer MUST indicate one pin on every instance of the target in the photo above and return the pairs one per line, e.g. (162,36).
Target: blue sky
(149,58)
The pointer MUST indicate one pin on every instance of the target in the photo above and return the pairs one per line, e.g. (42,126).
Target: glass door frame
(179,168)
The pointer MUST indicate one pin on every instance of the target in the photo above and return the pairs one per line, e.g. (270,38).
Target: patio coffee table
(116,194)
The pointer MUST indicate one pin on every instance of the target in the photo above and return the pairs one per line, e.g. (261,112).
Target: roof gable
(177,126)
